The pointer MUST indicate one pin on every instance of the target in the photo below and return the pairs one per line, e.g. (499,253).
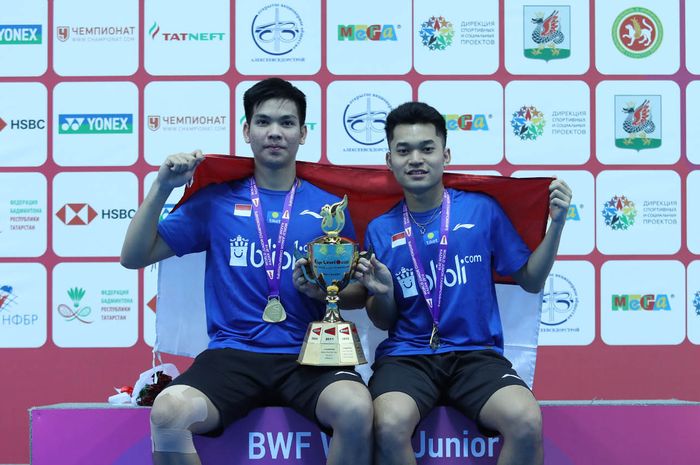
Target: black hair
(415,113)
(274,88)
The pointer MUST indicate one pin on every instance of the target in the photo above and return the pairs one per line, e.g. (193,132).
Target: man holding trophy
(256,316)
(431,287)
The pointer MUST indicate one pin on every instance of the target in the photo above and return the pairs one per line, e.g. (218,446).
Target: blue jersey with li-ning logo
(219,220)
(481,237)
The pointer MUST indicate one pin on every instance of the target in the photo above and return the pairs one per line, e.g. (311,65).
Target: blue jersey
(480,237)
(219,220)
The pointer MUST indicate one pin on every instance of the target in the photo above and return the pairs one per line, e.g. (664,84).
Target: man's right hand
(375,276)
(178,169)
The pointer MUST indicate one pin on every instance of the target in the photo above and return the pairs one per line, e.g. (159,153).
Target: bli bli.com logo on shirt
(245,251)
(454,276)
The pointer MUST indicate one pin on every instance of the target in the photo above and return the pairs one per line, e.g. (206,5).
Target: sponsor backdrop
(94,96)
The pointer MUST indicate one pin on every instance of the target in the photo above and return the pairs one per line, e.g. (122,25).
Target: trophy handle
(304,269)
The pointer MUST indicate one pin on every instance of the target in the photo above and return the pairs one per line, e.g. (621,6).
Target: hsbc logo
(2,124)
(76,214)
(23,124)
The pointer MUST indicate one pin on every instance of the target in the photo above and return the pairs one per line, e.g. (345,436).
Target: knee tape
(174,411)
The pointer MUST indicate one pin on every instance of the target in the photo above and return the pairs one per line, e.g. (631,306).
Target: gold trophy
(331,263)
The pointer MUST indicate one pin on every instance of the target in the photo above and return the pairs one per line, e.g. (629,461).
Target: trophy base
(331,344)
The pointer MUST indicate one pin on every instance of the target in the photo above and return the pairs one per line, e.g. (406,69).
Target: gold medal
(274,311)
(435,338)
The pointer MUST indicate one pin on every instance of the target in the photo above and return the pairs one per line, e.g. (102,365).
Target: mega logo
(635,126)
(559,300)
(20,34)
(436,33)
(637,32)
(638,302)
(528,123)
(362,32)
(277,29)
(619,213)
(23,124)
(467,122)
(108,123)
(74,312)
(549,30)
(364,118)
(154,32)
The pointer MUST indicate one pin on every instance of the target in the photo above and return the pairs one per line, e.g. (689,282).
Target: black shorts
(238,381)
(463,380)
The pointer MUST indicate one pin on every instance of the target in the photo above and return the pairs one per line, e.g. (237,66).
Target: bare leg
(178,412)
(346,407)
(396,416)
(514,412)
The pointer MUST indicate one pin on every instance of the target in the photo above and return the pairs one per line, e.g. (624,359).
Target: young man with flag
(431,286)
(257,315)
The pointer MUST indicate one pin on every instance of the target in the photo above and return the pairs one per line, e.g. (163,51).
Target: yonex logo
(108,123)
(20,34)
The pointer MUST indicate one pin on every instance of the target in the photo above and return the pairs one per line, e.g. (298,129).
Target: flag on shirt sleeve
(371,192)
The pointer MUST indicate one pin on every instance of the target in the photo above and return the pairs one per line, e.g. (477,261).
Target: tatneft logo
(454,276)
(23,124)
(108,123)
(696,303)
(634,122)
(244,253)
(547,35)
(364,118)
(7,297)
(81,214)
(637,32)
(363,32)
(75,312)
(559,300)
(96,33)
(528,123)
(20,34)
(187,122)
(619,213)
(277,29)
(467,122)
(637,302)
(436,33)
(154,32)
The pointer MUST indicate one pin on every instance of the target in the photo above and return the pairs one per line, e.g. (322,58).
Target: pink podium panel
(621,434)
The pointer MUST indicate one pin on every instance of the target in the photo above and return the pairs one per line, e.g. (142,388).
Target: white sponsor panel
(356,114)
(186,38)
(95,38)
(446,33)
(642,302)
(185,116)
(24,38)
(692,213)
(23,203)
(278,38)
(95,123)
(637,37)
(694,302)
(370,32)
(547,122)
(311,150)
(22,305)
(94,305)
(91,212)
(579,234)
(546,37)
(568,305)
(638,122)
(692,46)
(638,212)
(474,118)
(23,118)
(692,108)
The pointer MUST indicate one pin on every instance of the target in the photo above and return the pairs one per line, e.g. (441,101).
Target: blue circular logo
(364,118)
(277,29)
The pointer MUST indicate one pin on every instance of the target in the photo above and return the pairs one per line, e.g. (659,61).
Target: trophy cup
(331,262)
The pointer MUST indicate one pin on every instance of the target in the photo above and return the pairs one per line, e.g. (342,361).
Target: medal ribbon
(434,301)
(273,271)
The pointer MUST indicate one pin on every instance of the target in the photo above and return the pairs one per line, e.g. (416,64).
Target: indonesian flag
(181,326)
(398,239)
